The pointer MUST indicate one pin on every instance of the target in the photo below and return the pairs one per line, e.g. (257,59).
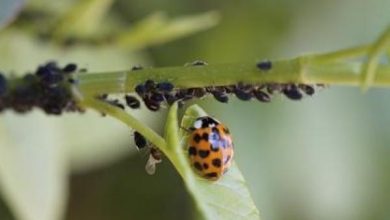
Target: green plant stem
(299,70)
(126,118)
(368,72)
(342,54)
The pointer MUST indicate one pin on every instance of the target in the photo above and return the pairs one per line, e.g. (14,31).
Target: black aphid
(165,86)
(261,95)
(132,102)
(139,140)
(136,67)
(264,65)
(199,63)
(292,92)
(71,67)
(307,89)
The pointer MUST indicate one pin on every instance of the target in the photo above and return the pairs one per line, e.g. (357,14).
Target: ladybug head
(205,122)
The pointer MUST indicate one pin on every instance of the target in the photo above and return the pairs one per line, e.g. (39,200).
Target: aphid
(140,89)
(183,94)
(170,98)
(229,89)
(136,67)
(199,63)
(210,148)
(150,85)
(132,102)
(139,140)
(103,96)
(155,158)
(274,87)
(264,65)
(157,97)
(3,84)
(71,67)
(152,105)
(197,92)
(165,87)
(116,103)
(243,92)
(261,96)
(307,89)
(83,70)
(292,92)
(155,155)
(220,96)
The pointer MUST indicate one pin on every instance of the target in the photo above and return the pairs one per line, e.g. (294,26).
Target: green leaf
(227,198)
(82,20)
(158,29)
(8,11)
(33,166)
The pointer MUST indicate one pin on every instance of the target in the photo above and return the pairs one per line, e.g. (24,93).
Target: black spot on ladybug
(214,129)
(214,148)
(205,136)
(132,102)
(197,138)
(264,65)
(198,166)
(192,151)
(205,166)
(211,175)
(204,153)
(216,162)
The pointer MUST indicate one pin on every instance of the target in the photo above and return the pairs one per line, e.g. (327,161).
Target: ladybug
(210,148)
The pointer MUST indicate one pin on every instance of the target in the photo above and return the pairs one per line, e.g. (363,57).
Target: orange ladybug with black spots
(210,148)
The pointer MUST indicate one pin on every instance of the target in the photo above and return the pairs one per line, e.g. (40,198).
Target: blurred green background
(325,157)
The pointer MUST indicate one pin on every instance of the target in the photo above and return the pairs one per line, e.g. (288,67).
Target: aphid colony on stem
(47,88)
(156,94)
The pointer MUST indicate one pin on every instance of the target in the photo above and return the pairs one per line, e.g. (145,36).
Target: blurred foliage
(326,157)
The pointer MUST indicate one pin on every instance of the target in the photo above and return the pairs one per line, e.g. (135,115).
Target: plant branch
(126,118)
(298,70)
